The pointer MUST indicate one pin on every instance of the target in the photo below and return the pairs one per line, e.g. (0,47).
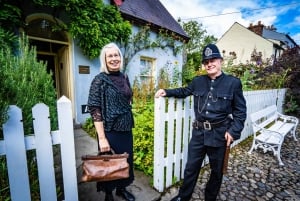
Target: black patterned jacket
(115,108)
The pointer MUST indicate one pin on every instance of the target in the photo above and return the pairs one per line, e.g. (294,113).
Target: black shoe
(176,198)
(125,194)
(109,197)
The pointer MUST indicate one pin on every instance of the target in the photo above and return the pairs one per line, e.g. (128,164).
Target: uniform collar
(219,76)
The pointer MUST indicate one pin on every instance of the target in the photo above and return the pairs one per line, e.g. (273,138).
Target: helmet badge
(208,52)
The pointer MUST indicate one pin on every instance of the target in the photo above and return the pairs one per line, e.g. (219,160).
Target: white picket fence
(173,126)
(15,145)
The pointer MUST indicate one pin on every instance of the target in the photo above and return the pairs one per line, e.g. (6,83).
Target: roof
(153,12)
(265,38)
(284,38)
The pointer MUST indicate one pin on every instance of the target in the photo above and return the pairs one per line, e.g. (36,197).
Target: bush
(26,83)
(144,137)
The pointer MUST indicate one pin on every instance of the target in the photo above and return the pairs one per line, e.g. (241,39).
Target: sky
(217,16)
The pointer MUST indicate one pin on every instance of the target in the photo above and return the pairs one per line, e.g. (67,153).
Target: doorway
(52,48)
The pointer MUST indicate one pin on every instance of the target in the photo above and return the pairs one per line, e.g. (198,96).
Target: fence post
(65,122)
(13,132)
(44,152)
(159,140)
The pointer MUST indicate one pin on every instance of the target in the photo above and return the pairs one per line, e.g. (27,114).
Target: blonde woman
(109,102)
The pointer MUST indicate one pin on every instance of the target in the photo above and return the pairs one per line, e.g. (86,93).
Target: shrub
(26,83)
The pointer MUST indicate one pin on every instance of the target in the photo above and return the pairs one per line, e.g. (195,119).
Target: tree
(198,39)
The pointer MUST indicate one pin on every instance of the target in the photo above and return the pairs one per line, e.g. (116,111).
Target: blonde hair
(103,67)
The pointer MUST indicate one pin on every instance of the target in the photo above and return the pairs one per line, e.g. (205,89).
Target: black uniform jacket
(214,101)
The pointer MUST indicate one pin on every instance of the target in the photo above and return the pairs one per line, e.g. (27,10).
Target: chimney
(258,29)
(117,2)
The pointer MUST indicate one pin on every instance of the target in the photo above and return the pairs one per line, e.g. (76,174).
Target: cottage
(73,71)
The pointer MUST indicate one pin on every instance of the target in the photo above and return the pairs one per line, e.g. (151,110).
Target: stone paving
(257,176)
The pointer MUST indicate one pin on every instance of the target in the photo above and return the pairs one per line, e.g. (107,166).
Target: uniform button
(206,112)
(211,88)
(208,104)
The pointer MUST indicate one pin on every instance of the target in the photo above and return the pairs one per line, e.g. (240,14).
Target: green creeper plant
(92,23)
(141,40)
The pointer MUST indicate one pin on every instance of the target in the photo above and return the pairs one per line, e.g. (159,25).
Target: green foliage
(26,83)
(276,80)
(9,40)
(247,74)
(247,80)
(4,190)
(168,78)
(10,15)
(92,23)
(141,40)
(284,73)
(257,77)
(291,106)
(189,71)
(144,137)
(89,127)
(198,39)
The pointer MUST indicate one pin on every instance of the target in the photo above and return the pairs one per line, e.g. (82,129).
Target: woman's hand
(160,92)
(104,145)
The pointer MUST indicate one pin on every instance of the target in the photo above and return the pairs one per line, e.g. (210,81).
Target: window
(146,70)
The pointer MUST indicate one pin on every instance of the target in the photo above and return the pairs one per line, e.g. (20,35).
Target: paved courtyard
(256,177)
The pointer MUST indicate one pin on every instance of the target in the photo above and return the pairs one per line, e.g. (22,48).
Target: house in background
(255,44)
(146,64)
(270,33)
(73,71)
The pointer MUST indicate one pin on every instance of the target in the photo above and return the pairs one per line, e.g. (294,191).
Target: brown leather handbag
(104,167)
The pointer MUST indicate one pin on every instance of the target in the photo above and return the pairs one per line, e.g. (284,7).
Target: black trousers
(196,154)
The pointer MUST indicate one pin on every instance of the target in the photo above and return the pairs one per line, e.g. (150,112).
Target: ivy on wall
(141,40)
(92,23)
(96,25)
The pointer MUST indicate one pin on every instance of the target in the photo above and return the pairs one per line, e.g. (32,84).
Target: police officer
(220,113)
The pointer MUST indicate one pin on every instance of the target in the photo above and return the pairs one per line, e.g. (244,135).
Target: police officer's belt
(206,125)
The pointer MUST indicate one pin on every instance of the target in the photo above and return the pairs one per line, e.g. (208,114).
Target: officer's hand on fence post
(160,92)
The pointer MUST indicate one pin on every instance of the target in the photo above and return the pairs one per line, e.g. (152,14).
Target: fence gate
(15,145)
(172,131)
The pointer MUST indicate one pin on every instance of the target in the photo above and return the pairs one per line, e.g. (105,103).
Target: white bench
(270,127)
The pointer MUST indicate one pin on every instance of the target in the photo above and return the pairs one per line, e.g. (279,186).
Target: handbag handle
(111,152)
(104,157)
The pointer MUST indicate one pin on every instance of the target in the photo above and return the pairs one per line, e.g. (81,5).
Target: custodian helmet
(210,51)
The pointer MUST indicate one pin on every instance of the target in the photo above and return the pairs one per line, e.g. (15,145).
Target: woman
(109,103)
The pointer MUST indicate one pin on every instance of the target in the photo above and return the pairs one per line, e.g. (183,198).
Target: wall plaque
(84,69)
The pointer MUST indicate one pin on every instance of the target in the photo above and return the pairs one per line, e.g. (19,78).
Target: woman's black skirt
(120,142)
